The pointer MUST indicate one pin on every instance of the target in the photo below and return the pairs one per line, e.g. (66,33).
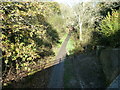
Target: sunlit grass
(70,45)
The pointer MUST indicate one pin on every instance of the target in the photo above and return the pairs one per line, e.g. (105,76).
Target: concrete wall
(110,61)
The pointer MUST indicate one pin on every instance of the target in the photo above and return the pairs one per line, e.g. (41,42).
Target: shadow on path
(56,80)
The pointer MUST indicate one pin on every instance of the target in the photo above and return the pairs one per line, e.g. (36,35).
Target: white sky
(71,2)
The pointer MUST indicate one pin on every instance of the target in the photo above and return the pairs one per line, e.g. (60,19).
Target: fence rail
(25,73)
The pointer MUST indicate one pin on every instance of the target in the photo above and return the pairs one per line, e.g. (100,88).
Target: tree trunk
(80,27)
(81,31)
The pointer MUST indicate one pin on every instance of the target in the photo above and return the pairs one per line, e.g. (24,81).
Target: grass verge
(68,74)
(56,49)
(70,46)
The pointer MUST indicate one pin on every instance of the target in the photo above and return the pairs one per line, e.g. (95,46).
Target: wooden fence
(34,68)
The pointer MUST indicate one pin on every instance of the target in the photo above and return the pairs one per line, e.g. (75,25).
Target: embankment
(110,61)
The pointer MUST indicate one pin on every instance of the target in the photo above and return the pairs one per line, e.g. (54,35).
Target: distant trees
(85,15)
(87,18)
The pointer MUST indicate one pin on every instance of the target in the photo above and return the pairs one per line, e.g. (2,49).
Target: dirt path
(56,80)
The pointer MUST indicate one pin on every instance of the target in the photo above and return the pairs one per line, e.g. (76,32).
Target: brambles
(26,35)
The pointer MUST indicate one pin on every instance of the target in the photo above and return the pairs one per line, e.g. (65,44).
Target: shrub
(110,28)
(26,35)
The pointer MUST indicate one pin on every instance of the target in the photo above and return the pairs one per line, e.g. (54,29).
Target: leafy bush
(110,28)
(26,35)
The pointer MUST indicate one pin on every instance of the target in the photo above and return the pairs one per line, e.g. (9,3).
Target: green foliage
(110,28)
(91,16)
(110,24)
(58,22)
(70,46)
(26,35)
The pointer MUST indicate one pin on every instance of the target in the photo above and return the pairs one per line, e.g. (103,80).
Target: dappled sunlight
(59,44)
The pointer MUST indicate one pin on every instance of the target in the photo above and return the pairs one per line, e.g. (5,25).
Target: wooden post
(60,60)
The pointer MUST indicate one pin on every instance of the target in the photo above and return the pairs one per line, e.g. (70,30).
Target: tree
(104,8)
(110,28)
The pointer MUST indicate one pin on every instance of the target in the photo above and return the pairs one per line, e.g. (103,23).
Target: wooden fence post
(59,60)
